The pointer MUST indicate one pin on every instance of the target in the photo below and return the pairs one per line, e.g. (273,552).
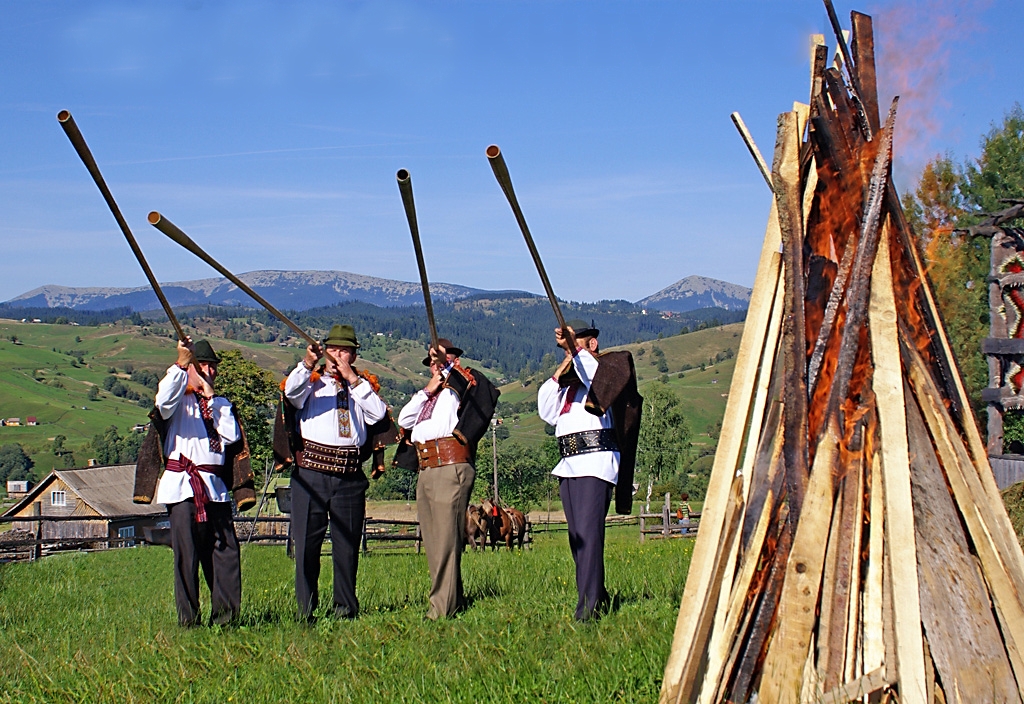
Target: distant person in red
(199,427)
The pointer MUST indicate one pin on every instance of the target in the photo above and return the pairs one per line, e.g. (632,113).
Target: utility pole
(494,451)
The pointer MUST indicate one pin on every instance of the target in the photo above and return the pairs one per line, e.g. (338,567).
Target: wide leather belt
(438,453)
(602,440)
(328,458)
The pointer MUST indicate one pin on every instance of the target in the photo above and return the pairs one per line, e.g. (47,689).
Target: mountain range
(303,290)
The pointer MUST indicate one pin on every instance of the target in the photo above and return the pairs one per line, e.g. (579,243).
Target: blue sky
(270,132)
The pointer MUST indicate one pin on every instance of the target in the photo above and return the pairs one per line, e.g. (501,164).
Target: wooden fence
(667,525)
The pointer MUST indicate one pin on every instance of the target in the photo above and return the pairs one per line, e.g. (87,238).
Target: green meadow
(47,371)
(101,627)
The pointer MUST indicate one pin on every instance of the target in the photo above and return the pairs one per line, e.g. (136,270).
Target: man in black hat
(335,406)
(597,447)
(198,428)
(444,422)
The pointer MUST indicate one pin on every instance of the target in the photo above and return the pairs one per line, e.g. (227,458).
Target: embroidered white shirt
(550,402)
(317,402)
(442,421)
(186,436)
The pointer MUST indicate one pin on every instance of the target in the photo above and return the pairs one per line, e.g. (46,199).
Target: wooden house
(16,489)
(95,502)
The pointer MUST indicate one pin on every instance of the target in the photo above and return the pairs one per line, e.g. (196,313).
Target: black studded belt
(328,458)
(602,440)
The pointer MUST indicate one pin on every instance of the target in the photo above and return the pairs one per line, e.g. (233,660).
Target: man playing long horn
(446,419)
(334,409)
(595,408)
(199,435)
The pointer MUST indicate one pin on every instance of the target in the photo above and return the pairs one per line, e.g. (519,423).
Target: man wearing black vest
(444,422)
(200,432)
(593,403)
(334,408)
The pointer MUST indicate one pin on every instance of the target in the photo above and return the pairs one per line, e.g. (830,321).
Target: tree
(110,448)
(948,197)
(15,465)
(254,393)
(664,435)
(522,473)
(65,457)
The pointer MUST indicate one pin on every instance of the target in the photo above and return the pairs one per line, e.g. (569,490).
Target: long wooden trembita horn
(405,188)
(505,181)
(78,142)
(171,230)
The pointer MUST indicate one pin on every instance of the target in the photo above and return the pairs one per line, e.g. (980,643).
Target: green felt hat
(205,353)
(342,336)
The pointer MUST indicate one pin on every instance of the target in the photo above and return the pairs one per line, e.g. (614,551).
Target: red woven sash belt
(184,464)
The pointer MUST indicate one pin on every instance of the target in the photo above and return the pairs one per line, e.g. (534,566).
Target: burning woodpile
(853,544)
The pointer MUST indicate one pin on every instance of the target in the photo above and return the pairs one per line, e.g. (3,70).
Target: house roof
(107,490)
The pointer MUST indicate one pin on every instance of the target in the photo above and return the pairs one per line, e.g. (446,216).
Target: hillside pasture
(101,628)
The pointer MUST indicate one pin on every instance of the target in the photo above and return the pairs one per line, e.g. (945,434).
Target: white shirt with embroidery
(317,402)
(551,400)
(186,437)
(442,421)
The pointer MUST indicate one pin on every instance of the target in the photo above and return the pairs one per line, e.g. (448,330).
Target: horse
(505,525)
(477,526)
(518,524)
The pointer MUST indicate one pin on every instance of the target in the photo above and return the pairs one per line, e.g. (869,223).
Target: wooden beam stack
(853,545)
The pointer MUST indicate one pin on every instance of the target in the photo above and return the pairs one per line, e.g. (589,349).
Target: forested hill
(508,332)
(512,332)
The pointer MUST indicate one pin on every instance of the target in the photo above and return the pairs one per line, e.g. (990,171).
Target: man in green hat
(200,433)
(334,408)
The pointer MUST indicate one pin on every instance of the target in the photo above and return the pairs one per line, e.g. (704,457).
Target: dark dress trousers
(213,545)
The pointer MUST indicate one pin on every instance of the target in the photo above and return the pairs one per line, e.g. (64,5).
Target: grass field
(101,628)
(47,371)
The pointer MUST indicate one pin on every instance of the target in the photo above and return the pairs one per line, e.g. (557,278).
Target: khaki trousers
(442,497)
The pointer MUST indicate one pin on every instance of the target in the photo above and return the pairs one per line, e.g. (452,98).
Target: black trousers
(319,498)
(213,545)
(586,501)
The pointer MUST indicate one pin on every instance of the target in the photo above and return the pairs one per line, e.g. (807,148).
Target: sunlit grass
(101,627)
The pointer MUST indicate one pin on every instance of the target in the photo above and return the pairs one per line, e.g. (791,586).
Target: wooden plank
(871,620)
(887,383)
(712,524)
(863,49)
(800,590)
(766,616)
(828,616)
(844,589)
(975,444)
(765,374)
(854,657)
(696,659)
(788,196)
(995,345)
(723,638)
(863,686)
(964,638)
(976,512)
